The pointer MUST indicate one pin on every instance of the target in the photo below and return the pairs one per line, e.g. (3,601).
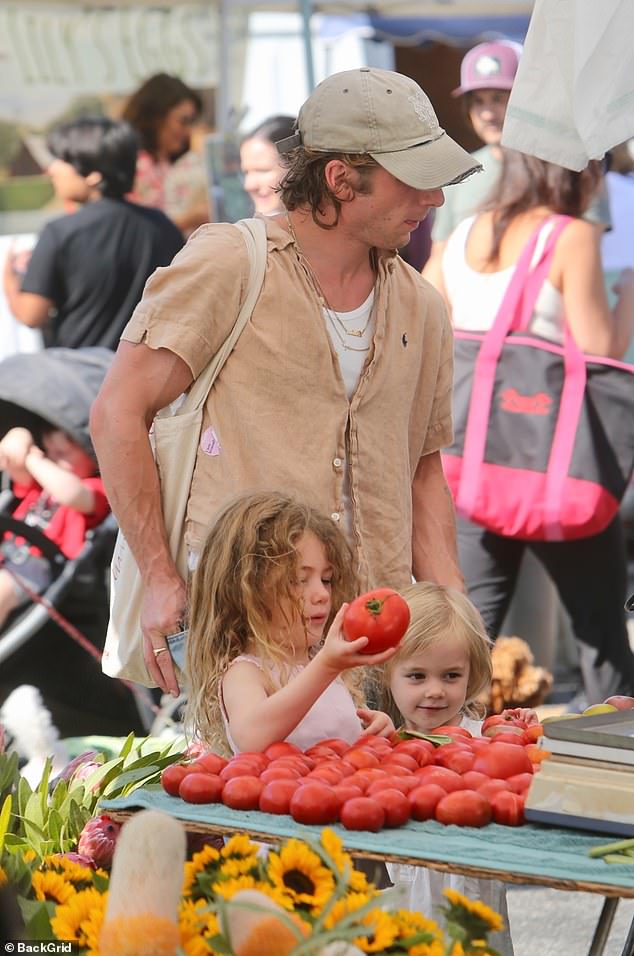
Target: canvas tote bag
(175,443)
(543,434)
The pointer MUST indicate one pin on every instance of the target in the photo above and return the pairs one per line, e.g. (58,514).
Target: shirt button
(335,516)
(337,462)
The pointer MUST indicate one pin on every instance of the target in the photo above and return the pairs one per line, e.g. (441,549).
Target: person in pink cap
(486,76)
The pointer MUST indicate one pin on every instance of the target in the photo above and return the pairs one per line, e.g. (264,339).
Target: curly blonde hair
(247,570)
(436,612)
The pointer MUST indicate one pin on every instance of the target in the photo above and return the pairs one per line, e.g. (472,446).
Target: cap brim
(432,165)
(489,84)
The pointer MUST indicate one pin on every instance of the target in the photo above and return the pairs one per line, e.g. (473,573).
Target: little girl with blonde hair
(266,657)
(436,678)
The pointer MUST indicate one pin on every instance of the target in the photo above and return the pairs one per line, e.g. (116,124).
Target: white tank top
(475,297)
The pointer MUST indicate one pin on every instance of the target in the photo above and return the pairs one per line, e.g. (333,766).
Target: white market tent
(45,41)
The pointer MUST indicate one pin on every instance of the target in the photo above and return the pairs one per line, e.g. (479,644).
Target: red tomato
(480,744)
(360,757)
(201,788)
(503,735)
(319,753)
(302,765)
(362,813)
(252,756)
(395,806)
(423,801)
(506,719)
(405,760)
(491,787)
(464,809)
(455,757)
(314,803)
(508,809)
(449,780)
(346,791)
(276,796)
(520,782)
(503,760)
(335,743)
(450,731)
(381,615)
(395,770)
(473,780)
(325,775)
(172,776)
(416,749)
(239,768)
(279,773)
(281,748)
(242,793)
(211,763)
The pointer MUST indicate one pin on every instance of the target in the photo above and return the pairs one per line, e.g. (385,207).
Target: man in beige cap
(339,389)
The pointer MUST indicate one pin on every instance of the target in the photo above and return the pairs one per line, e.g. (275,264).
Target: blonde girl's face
(314,590)
(430,688)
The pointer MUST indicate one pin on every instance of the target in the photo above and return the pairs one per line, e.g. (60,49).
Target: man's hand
(163,613)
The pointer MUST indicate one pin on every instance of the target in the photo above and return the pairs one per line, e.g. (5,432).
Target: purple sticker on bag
(209,442)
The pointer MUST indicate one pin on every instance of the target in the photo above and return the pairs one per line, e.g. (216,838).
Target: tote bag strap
(483,385)
(539,272)
(254,235)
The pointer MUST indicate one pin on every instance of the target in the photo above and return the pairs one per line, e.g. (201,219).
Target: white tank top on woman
(475,297)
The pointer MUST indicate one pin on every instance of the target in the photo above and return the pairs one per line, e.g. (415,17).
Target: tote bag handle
(516,308)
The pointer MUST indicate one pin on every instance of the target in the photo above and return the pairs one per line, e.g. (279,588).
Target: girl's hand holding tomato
(339,654)
(381,615)
(375,722)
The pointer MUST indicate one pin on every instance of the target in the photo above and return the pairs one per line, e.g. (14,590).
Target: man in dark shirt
(88,269)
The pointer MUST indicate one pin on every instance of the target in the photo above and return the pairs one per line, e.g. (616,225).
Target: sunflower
(298,872)
(381,929)
(239,845)
(227,888)
(204,863)
(477,918)
(79,919)
(76,873)
(52,886)
(239,866)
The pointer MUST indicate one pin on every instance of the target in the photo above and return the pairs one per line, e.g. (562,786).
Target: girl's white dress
(421,889)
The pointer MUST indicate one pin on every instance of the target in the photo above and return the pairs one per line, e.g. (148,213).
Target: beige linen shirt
(278,417)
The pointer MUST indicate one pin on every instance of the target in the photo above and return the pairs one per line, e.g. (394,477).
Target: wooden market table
(532,854)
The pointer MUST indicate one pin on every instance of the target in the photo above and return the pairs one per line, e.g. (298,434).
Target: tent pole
(305,7)
(223,97)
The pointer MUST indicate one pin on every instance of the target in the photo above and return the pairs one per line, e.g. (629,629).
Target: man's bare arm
(434,550)
(140,381)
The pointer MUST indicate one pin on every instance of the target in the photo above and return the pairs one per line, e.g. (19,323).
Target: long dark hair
(527,182)
(150,104)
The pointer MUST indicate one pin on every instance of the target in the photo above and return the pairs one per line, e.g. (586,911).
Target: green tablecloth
(530,851)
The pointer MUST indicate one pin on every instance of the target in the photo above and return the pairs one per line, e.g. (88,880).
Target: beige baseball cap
(388,116)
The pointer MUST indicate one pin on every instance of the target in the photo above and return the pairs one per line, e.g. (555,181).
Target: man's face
(487,109)
(388,213)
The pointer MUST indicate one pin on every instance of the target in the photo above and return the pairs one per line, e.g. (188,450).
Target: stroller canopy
(55,386)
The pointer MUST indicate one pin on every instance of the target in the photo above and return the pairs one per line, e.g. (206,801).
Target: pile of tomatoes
(375,783)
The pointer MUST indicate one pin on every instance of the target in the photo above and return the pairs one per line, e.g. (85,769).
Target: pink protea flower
(98,839)
(76,858)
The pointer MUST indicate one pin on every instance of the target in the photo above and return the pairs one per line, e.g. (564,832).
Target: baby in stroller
(60,493)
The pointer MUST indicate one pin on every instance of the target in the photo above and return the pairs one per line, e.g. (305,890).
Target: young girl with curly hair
(266,656)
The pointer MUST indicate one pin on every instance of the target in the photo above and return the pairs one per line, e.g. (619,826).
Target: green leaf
(117,786)
(59,794)
(5,819)
(24,791)
(55,824)
(9,772)
(436,739)
(127,745)
(37,919)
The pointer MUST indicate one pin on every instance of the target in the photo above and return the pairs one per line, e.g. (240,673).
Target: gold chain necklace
(336,321)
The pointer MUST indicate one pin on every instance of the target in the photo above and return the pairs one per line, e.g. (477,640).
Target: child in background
(270,575)
(440,670)
(61,495)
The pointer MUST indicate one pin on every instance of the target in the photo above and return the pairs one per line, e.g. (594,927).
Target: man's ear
(94,179)
(341,180)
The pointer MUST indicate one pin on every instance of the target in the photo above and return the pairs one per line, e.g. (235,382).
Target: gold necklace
(336,321)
